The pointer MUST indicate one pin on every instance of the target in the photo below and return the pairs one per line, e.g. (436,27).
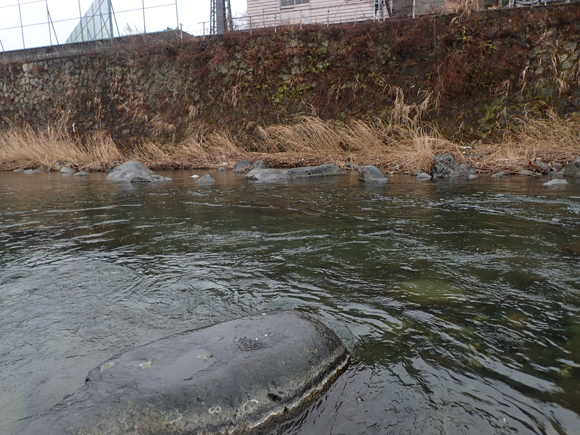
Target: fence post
(328,17)
(276,22)
(300,19)
(250,25)
(48,22)
(413,9)
(203,30)
(21,26)
(144,25)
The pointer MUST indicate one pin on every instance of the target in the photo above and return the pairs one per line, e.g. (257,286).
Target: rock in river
(230,377)
(205,180)
(555,183)
(371,174)
(67,170)
(294,173)
(135,172)
(242,166)
(445,166)
(572,169)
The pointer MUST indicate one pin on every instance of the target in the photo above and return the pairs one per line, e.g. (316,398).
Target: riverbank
(398,143)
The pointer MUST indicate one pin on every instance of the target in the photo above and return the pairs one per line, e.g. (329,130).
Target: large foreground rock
(294,173)
(572,169)
(445,166)
(134,172)
(230,377)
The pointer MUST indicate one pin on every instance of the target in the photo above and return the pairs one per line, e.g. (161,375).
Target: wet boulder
(135,172)
(67,170)
(294,173)
(242,166)
(228,378)
(259,164)
(371,174)
(572,169)
(445,166)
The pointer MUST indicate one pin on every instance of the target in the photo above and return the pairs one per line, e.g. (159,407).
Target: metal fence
(38,23)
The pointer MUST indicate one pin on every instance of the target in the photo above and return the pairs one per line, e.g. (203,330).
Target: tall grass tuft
(400,140)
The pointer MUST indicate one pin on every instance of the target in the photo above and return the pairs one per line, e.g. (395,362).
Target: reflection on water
(460,301)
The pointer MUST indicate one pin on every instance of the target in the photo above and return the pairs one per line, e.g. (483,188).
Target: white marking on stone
(215,409)
(107,366)
(147,365)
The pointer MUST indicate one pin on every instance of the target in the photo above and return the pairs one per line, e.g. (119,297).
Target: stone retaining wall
(483,71)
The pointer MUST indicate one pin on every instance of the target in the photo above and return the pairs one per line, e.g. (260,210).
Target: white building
(268,13)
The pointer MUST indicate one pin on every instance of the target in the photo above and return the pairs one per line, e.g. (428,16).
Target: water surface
(459,300)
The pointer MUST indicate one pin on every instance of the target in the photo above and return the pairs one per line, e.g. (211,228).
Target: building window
(286,3)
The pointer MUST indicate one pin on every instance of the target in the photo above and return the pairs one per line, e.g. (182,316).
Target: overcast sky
(65,15)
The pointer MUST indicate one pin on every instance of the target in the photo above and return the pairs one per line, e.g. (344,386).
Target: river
(459,300)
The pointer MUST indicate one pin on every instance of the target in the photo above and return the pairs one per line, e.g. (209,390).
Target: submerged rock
(500,174)
(371,174)
(206,179)
(294,173)
(32,171)
(526,172)
(222,169)
(18,170)
(231,377)
(445,166)
(423,176)
(572,169)
(555,183)
(573,247)
(81,174)
(135,172)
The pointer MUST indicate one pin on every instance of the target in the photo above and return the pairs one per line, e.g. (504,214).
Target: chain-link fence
(37,23)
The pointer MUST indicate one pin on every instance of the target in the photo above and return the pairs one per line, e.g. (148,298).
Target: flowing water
(459,301)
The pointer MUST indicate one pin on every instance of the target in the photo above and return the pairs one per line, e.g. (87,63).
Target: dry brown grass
(377,142)
(462,7)
(399,142)
(203,148)
(52,147)
(550,139)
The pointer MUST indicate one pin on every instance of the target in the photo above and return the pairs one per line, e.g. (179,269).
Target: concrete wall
(484,71)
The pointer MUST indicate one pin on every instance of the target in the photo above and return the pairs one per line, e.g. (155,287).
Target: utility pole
(220,17)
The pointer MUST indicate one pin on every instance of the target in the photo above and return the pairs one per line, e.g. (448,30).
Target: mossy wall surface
(483,70)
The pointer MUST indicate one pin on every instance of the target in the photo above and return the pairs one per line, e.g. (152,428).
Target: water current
(459,300)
